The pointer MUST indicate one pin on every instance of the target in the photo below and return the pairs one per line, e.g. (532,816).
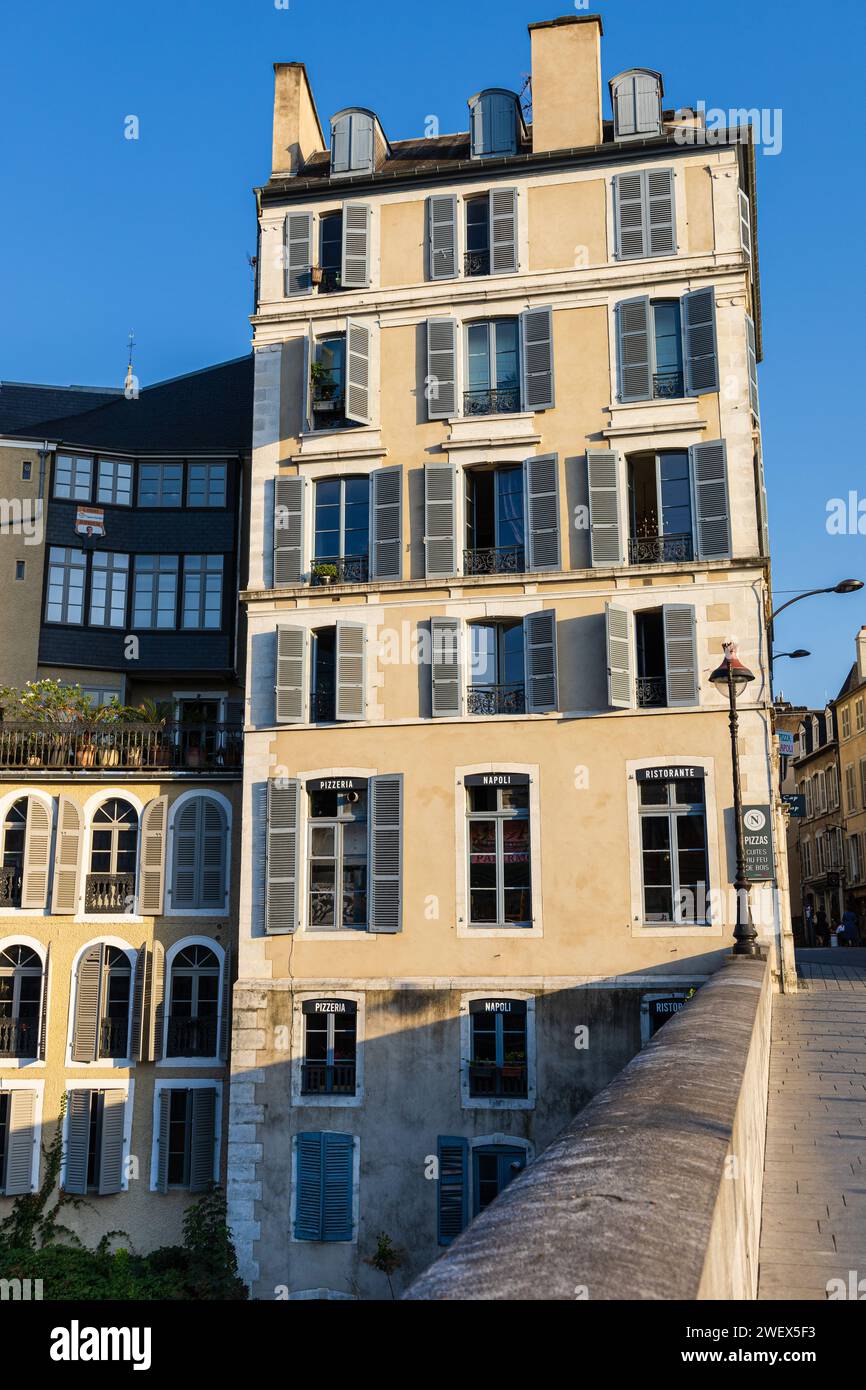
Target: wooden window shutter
(453,1207)
(202,1138)
(603,471)
(153,837)
(660,204)
(67,856)
(541,474)
(37,856)
(226,1006)
(77,1141)
(156,1012)
(752,356)
(88,992)
(386,522)
(681,658)
(139,992)
(299,253)
(356,246)
(43,1004)
(359,345)
(291,687)
(541,665)
(338,1154)
(446,667)
(619,628)
(111,1142)
(288,531)
(709,468)
(213,878)
(283,829)
(440,526)
(386,853)
(442,236)
(503,231)
(700,349)
(308,1186)
(628,194)
(441,381)
(634,349)
(537,356)
(351,701)
(20,1143)
(184,853)
(162,1139)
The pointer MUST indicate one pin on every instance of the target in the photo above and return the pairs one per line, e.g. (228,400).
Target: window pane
(506,353)
(482,654)
(669,357)
(479,357)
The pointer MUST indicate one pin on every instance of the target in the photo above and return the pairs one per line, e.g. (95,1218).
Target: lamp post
(731,678)
(845,586)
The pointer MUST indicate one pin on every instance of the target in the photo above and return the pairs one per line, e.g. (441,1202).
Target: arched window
(13,830)
(113,858)
(636,98)
(193,1003)
(20,996)
(103,993)
(25,853)
(199,856)
(494,116)
(352,142)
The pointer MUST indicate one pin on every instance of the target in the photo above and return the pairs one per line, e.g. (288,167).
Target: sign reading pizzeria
(329,1006)
(337,784)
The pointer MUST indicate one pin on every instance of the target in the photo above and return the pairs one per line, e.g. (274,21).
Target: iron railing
(109,893)
(318,1079)
(651,690)
(476,262)
(332,279)
(497,699)
(113,1037)
(487,1079)
(504,401)
(94,747)
(347,569)
(192,1037)
(667,386)
(19,1037)
(500,559)
(324,706)
(658,550)
(10,887)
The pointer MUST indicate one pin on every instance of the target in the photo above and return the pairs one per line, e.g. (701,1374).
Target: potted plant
(324,387)
(317,274)
(325,573)
(155,713)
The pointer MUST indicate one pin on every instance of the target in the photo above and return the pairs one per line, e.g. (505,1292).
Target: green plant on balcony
(324,386)
(325,573)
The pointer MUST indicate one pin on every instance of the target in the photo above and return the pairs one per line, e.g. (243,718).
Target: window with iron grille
(20,1001)
(492,367)
(64,596)
(194,997)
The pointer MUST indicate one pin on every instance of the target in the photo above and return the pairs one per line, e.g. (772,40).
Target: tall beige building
(507,505)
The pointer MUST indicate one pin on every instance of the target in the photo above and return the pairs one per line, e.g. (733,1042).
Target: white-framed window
(497,1051)
(109,583)
(472,1174)
(806,855)
(199,854)
(64,595)
(492,367)
(154,600)
(202,591)
(160,484)
(846,721)
(23,982)
(187,1130)
(851,787)
(114,483)
(675,868)
(820,854)
(499,872)
(855,858)
(97,1131)
(859,717)
(206,485)
(73,477)
(832,786)
(337,859)
(112,870)
(325,1186)
(197,996)
(328,1050)
(20,1134)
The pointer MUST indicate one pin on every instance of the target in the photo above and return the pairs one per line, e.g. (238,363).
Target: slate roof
(23,404)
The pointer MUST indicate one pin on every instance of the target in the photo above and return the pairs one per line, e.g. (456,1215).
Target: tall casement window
(18,1137)
(673,828)
(14,832)
(109,582)
(160,484)
(114,483)
(337,858)
(645,214)
(667,348)
(94,1142)
(193,1003)
(113,858)
(186,1137)
(330,252)
(498,1064)
(492,368)
(500,892)
(323,676)
(330,1047)
(64,596)
(495,527)
(476,260)
(652,656)
(328,384)
(198,875)
(20,1002)
(660,508)
(73,478)
(206,485)
(494,1166)
(103,994)
(491,1166)
(202,591)
(497,673)
(154,601)
(342,536)
(324,1186)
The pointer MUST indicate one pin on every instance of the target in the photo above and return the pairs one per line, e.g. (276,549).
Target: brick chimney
(297,132)
(861,654)
(566,82)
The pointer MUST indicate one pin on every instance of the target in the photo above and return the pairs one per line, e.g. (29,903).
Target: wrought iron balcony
(10,887)
(318,1079)
(651,691)
(113,748)
(496,699)
(19,1037)
(504,401)
(323,706)
(503,559)
(191,1037)
(487,1079)
(667,386)
(114,1037)
(340,569)
(113,893)
(658,550)
(331,280)
(476,262)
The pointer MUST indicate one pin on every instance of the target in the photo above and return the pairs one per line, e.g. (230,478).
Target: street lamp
(794,655)
(845,586)
(732,678)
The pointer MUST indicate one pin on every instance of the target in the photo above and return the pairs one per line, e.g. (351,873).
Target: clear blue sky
(100,234)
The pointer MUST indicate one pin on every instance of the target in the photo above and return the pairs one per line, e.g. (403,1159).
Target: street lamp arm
(809,594)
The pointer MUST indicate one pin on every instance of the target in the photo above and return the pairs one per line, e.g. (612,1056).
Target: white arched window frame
(636,99)
(41,950)
(495,123)
(175,811)
(89,810)
(6,803)
(131,954)
(223,961)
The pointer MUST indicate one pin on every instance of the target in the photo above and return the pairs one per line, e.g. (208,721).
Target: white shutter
(356,246)
(620,656)
(350,663)
(681,658)
(37,856)
(442,236)
(439,520)
(288,530)
(359,340)
(283,829)
(603,468)
(441,381)
(291,687)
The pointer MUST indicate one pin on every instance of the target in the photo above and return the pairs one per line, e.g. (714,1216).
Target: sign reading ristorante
(675,772)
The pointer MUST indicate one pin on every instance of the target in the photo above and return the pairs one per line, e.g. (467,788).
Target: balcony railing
(323,706)
(487,1079)
(504,401)
(667,386)
(331,280)
(340,569)
(651,690)
(192,1037)
(318,1079)
(109,893)
(497,699)
(113,1037)
(10,887)
(476,262)
(19,1037)
(121,747)
(501,559)
(659,550)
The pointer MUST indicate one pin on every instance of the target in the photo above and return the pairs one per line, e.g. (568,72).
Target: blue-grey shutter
(501,123)
(386,523)
(446,674)
(441,383)
(633,349)
(362,143)
(359,342)
(341,130)
(308,1186)
(648,104)
(681,656)
(620,657)
(281,877)
(77,1142)
(156,1011)
(88,989)
(453,1207)
(299,253)
(288,530)
(351,701)
(542,511)
(185,855)
(291,687)
(624,108)
(37,856)
(700,350)
(752,354)
(709,468)
(338,1155)
(202,1138)
(111,1142)
(355,270)
(537,335)
(20,1143)
(442,236)
(628,195)
(661,222)
(605,532)
(162,1139)
(440,558)
(503,230)
(539,633)
(476,127)
(386,853)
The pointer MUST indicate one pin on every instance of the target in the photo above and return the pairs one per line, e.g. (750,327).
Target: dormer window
(495,123)
(636,98)
(357,142)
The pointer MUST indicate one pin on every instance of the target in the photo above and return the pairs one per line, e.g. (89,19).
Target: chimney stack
(861,654)
(297,132)
(566,82)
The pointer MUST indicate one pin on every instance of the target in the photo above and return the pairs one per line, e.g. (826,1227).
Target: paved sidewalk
(814,1211)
